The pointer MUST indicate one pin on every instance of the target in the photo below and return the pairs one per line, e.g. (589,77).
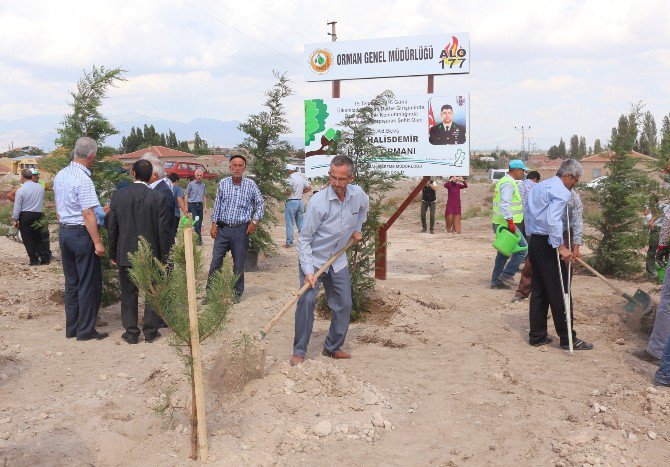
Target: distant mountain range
(40,131)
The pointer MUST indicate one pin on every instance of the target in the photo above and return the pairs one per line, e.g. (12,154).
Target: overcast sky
(560,67)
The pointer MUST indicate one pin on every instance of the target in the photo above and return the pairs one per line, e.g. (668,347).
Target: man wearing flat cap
(238,206)
(447,132)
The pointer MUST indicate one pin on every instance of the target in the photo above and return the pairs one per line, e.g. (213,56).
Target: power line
(253,24)
(241,32)
(291,27)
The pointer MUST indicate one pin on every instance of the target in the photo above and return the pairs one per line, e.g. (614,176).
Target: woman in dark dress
(452,212)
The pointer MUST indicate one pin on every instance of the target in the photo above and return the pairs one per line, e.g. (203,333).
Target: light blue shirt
(195,191)
(29,197)
(328,225)
(74,192)
(543,214)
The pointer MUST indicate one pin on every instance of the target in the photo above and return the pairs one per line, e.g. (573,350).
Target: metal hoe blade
(640,301)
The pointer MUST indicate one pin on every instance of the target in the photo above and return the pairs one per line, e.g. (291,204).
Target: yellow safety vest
(515,207)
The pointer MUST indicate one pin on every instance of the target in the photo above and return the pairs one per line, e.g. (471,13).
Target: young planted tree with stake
(270,155)
(166,288)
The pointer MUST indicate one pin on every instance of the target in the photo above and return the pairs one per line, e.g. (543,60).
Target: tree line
(141,139)
(649,141)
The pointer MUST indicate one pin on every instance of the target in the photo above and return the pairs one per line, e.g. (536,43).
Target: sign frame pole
(380,252)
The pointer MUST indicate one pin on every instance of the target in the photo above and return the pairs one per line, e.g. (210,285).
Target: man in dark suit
(137,211)
(162,184)
(447,132)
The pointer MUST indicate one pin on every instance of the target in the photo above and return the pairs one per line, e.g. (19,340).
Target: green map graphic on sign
(316,112)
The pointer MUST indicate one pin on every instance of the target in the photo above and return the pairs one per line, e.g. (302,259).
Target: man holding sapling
(334,215)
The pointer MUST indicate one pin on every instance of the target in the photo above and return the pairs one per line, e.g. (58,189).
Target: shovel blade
(640,301)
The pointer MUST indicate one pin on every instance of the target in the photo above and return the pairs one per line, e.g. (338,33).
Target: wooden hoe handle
(303,289)
(600,276)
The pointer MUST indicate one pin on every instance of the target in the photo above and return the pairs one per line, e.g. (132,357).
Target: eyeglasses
(340,180)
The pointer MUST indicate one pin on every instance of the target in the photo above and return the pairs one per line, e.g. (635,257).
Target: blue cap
(517,164)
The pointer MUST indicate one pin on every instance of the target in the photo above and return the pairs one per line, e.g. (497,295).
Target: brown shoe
(518,298)
(337,354)
(99,322)
(296,360)
(646,356)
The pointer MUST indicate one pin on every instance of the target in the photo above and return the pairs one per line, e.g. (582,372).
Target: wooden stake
(198,387)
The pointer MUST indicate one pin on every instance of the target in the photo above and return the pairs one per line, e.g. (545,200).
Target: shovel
(640,301)
(262,333)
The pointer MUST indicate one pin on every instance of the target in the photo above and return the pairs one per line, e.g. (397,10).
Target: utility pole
(333,36)
(523,129)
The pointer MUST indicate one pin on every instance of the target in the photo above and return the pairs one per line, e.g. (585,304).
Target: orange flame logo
(452,47)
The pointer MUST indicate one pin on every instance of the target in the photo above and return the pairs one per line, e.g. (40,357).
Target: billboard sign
(382,58)
(427,134)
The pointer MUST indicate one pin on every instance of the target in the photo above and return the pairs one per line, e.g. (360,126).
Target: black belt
(72,226)
(194,202)
(539,235)
(223,224)
(294,199)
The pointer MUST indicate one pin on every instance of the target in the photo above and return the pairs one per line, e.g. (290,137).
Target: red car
(187,170)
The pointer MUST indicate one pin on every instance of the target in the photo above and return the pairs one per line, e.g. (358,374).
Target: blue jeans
(663,372)
(338,294)
(83,281)
(661,332)
(293,213)
(503,267)
(235,240)
(196,210)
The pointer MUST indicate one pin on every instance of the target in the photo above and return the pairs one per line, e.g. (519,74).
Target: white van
(496,174)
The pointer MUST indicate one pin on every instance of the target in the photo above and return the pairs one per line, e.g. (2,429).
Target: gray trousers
(338,293)
(661,333)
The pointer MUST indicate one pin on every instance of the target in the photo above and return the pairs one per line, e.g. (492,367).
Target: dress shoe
(500,285)
(130,338)
(578,344)
(544,341)
(100,322)
(151,337)
(296,360)
(337,354)
(95,335)
(34,263)
(665,384)
(518,298)
(646,357)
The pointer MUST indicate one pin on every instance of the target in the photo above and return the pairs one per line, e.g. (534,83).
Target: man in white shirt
(294,209)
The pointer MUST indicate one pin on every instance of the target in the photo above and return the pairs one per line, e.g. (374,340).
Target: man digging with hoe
(334,216)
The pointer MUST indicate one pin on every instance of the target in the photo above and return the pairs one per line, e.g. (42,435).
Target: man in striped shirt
(238,206)
(80,242)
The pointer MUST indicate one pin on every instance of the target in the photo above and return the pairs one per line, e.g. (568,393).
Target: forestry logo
(453,55)
(320,61)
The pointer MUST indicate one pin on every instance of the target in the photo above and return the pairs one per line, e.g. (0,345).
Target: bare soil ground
(442,374)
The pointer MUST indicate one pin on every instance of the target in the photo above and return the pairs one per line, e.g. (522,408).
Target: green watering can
(507,242)
(660,272)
